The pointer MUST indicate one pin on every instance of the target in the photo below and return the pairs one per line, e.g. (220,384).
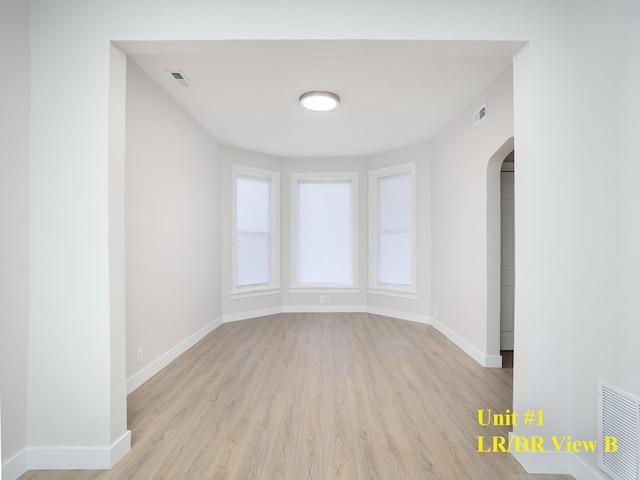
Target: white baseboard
(412,317)
(120,448)
(69,458)
(79,458)
(583,471)
(236,317)
(489,361)
(539,463)
(154,367)
(324,309)
(15,466)
(492,361)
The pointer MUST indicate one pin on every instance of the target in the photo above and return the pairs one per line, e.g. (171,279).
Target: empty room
(273,241)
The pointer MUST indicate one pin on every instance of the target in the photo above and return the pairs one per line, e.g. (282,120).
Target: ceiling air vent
(618,426)
(179,77)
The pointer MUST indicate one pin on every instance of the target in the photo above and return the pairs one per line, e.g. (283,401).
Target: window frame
(296,178)
(273,287)
(375,287)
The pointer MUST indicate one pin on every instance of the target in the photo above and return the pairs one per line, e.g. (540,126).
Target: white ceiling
(393,93)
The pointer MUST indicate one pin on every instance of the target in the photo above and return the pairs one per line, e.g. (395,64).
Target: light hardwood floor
(318,397)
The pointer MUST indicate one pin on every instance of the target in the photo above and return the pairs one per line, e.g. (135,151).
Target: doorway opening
(507,259)
(500,252)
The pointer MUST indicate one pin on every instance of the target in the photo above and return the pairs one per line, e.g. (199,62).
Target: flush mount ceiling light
(319,101)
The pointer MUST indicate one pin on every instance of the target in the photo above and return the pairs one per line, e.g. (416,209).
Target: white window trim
(273,288)
(249,292)
(394,292)
(376,288)
(334,289)
(320,177)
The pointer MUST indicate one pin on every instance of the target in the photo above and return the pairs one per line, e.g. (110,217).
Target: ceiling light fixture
(319,101)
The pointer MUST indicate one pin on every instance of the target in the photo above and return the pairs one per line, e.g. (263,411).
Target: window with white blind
(324,222)
(255,230)
(392,230)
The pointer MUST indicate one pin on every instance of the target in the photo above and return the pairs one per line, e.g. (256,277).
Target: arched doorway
(500,252)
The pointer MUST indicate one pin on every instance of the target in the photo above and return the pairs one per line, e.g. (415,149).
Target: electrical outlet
(327,299)
(321,298)
(139,355)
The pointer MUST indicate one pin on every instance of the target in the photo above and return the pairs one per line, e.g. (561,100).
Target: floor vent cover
(619,419)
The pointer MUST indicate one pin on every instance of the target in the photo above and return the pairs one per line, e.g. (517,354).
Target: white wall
(461,155)
(14,218)
(606,208)
(173,226)
(70,369)
(543,241)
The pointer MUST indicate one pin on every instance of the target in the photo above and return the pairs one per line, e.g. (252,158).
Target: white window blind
(324,233)
(394,230)
(253,231)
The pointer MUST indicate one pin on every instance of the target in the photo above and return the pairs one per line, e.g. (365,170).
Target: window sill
(393,292)
(255,292)
(327,289)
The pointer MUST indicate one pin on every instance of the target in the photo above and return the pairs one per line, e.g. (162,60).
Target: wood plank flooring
(315,397)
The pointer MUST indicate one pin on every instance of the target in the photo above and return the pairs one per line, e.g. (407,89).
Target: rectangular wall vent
(479,115)
(179,77)
(619,419)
